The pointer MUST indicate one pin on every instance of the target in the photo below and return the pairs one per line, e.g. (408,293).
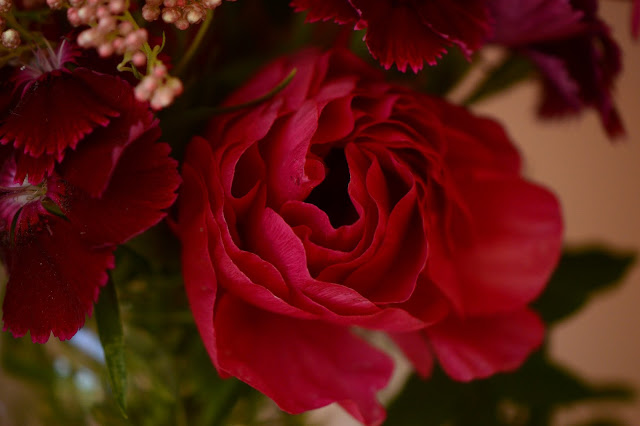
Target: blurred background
(598,183)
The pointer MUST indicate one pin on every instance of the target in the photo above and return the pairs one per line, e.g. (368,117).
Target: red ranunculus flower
(347,201)
(80,173)
(408,32)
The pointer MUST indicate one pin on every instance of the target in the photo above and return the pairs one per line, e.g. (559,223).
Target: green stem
(199,114)
(13,23)
(195,44)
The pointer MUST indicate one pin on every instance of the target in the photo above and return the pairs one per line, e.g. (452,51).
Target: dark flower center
(332,195)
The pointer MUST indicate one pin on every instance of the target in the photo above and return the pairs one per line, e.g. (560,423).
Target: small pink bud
(94,3)
(102,12)
(211,4)
(195,13)
(54,4)
(175,85)
(167,3)
(72,17)
(149,83)
(76,3)
(10,39)
(150,13)
(5,5)
(139,59)
(87,38)
(141,93)
(86,14)
(116,6)
(159,71)
(161,98)
(105,50)
(170,15)
(125,27)
(107,24)
(118,45)
(182,24)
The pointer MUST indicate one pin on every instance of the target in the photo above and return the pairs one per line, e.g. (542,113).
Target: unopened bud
(116,6)
(170,15)
(72,17)
(5,5)
(211,4)
(195,13)
(105,49)
(162,98)
(182,24)
(150,13)
(10,39)
(139,59)
(54,4)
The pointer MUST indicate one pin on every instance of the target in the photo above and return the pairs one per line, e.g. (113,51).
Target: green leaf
(111,336)
(579,275)
(528,396)
(513,69)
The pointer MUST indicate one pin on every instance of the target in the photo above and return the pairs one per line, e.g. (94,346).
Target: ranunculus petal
(69,106)
(481,346)
(54,279)
(514,245)
(300,364)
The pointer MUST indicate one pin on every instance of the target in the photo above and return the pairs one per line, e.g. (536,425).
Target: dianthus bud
(10,39)
(170,3)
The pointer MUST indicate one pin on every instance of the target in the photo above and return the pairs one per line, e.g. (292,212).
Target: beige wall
(599,186)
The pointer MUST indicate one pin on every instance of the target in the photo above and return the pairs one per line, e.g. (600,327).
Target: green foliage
(579,275)
(111,337)
(528,396)
(513,69)
(533,393)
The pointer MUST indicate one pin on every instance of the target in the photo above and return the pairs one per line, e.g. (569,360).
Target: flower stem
(195,44)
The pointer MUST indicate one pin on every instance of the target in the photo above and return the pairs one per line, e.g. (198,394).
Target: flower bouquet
(237,212)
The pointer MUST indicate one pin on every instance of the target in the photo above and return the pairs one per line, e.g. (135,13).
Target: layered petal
(54,279)
(300,364)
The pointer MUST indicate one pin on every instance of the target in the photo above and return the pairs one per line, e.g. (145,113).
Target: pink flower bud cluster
(107,34)
(159,88)
(180,13)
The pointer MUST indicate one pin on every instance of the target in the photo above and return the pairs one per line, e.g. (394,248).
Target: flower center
(332,195)
(14,198)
